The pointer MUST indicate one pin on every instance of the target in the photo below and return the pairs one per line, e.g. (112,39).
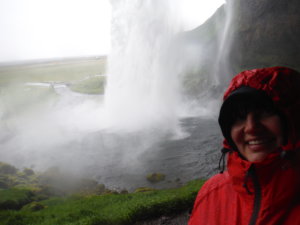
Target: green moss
(50,183)
(156,177)
(7,169)
(11,177)
(5,181)
(34,206)
(28,171)
(107,209)
(143,189)
(14,198)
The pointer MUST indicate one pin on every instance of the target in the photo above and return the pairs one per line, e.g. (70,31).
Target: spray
(143,88)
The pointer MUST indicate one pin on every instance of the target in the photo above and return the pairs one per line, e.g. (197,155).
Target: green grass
(110,209)
(84,76)
(14,198)
(60,71)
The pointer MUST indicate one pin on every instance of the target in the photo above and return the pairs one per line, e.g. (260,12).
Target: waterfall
(143,88)
(223,70)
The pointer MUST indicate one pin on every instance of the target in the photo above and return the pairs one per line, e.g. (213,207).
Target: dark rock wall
(247,34)
(265,33)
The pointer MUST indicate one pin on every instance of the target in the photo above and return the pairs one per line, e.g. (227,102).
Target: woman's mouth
(260,144)
(258,141)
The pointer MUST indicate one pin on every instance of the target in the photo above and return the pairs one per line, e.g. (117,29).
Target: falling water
(222,70)
(143,88)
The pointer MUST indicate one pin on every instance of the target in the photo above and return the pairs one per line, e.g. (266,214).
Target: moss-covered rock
(7,169)
(34,206)
(52,182)
(28,171)
(156,177)
(11,177)
(5,182)
(143,189)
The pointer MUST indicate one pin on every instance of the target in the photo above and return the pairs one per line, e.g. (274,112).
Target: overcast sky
(34,29)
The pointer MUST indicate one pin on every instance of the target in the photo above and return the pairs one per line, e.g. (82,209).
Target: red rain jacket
(260,193)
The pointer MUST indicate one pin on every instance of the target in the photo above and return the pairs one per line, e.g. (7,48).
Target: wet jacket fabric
(260,193)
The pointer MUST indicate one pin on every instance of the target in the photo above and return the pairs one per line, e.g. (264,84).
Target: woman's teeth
(257,142)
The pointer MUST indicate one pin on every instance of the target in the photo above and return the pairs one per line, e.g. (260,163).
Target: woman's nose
(251,123)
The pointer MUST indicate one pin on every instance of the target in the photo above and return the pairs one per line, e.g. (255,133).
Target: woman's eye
(241,117)
(265,114)
(238,121)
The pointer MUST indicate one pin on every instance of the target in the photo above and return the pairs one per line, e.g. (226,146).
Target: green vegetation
(143,189)
(84,76)
(108,209)
(57,71)
(29,88)
(11,177)
(7,169)
(55,198)
(52,182)
(15,198)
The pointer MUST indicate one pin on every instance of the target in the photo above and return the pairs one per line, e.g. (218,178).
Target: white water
(222,69)
(143,76)
(148,61)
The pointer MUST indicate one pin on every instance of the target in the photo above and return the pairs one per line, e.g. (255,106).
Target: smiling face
(257,134)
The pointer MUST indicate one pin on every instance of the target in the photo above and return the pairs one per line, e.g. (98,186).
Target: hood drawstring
(222,159)
(247,176)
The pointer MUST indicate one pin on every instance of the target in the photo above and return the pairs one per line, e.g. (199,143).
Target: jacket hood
(281,85)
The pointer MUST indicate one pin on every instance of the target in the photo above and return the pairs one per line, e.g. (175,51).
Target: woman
(260,121)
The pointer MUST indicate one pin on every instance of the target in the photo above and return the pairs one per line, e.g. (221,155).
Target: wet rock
(143,189)
(7,169)
(156,177)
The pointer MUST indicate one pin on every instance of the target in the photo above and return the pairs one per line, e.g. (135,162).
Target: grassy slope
(84,76)
(61,71)
(110,209)
(14,198)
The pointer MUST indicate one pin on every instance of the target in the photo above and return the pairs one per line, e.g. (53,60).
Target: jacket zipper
(257,196)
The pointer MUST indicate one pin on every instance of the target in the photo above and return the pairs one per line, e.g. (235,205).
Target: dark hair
(242,101)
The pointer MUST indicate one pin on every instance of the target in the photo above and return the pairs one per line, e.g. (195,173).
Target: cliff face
(265,33)
(245,34)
